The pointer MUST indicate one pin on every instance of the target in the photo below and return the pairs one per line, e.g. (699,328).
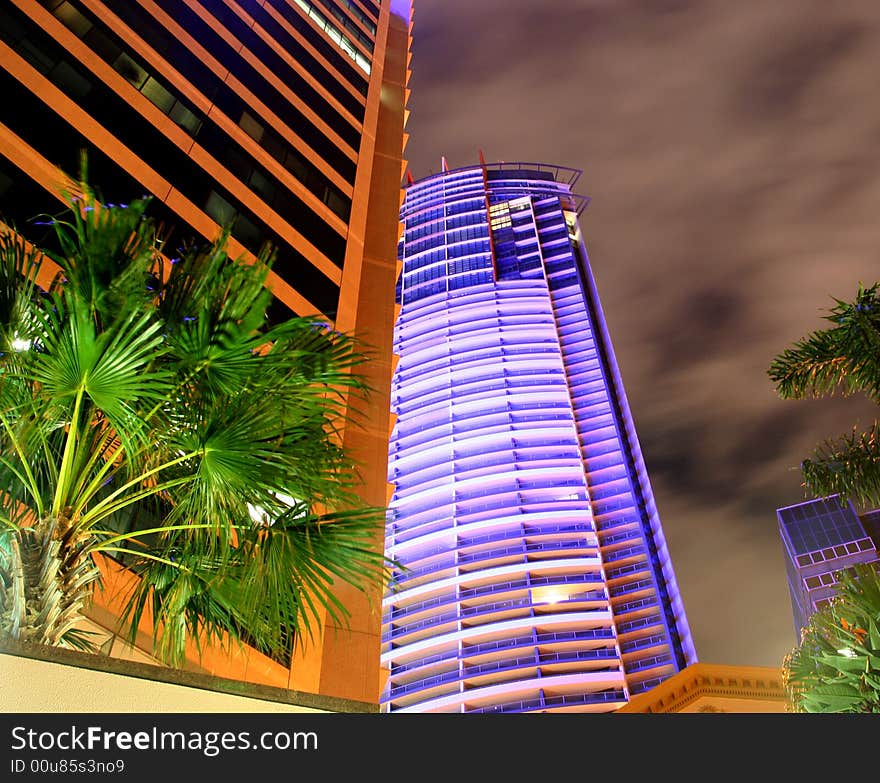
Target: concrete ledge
(37,678)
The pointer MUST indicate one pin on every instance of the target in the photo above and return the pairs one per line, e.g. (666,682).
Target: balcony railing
(633,606)
(539,639)
(498,587)
(610,524)
(528,548)
(645,685)
(639,644)
(526,530)
(449,617)
(507,664)
(642,622)
(539,659)
(648,663)
(521,531)
(503,644)
(530,705)
(630,587)
(468,613)
(616,573)
(488,554)
(536,581)
(620,554)
(617,537)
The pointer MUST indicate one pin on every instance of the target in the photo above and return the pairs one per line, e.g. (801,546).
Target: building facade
(820,538)
(283,119)
(711,687)
(532,574)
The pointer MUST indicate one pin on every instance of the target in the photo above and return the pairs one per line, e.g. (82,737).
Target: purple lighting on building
(535,576)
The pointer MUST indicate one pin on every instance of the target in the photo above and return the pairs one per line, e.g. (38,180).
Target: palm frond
(843,359)
(163,419)
(848,466)
(107,255)
(836,666)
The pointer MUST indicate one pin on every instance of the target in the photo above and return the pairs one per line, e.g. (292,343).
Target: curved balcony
(617,573)
(466,558)
(526,531)
(465,593)
(633,606)
(490,554)
(622,554)
(538,639)
(484,648)
(555,702)
(645,685)
(522,530)
(635,625)
(508,502)
(397,539)
(630,587)
(505,665)
(604,525)
(469,613)
(574,656)
(645,642)
(648,663)
(616,538)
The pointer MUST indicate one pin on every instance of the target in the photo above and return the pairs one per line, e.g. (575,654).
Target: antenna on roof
(443,164)
(482,159)
(409,177)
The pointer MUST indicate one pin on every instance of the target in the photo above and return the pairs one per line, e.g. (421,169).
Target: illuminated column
(533,571)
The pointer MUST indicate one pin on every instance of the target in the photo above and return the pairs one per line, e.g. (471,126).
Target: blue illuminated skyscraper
(533,575)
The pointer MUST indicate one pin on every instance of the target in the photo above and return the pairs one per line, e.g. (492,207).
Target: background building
(820,538)
(535,575)
(284,119)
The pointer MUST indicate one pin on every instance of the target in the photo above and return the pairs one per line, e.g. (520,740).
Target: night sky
(731,154)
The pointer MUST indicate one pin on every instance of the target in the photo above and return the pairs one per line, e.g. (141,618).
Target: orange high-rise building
(282,118)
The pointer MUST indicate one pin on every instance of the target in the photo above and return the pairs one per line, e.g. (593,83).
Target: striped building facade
(281,118)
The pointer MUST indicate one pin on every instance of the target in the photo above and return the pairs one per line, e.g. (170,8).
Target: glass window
(130,70)
(157,94)
(220,209)
(185,118)
(72,19)
(251,126)
(70,80)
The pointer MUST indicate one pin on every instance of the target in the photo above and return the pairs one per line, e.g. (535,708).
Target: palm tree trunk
(47,583)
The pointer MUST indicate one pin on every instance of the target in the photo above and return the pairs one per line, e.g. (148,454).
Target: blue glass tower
(820,538)
(533,575)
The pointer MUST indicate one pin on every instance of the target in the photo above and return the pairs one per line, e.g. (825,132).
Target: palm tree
(836,667)
(150,412)
(843,359)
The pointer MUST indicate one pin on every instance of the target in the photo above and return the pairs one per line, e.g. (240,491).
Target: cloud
(730,153)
